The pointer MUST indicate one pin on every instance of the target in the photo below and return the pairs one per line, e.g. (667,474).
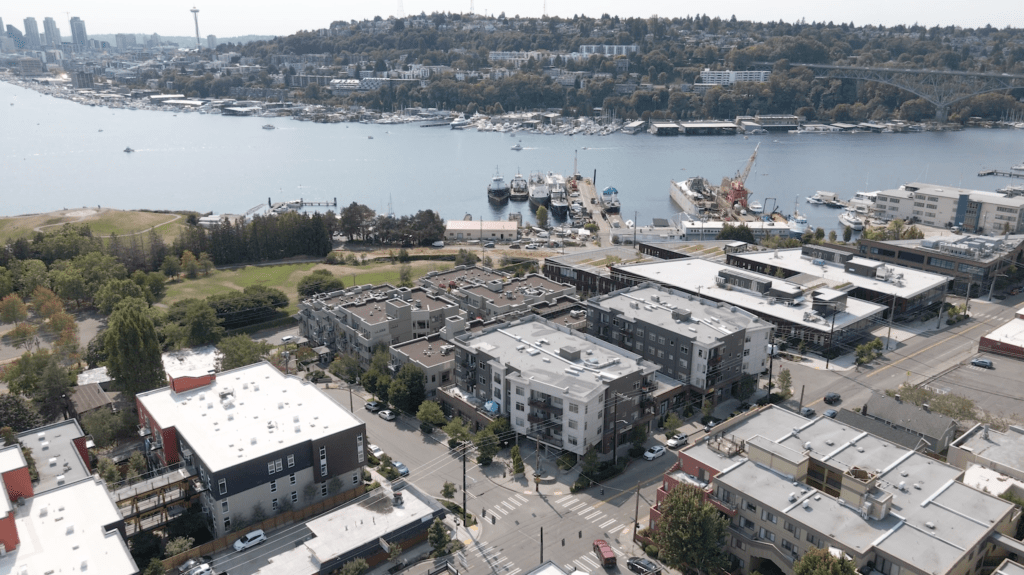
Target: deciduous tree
(241,350)
(17,413)
(430,412)
(13,309)
(823,562)
(690,532)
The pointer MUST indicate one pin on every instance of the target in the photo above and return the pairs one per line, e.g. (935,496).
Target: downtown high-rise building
(211,42)
(31,33)
(78,34)
(51,32)
(124,41)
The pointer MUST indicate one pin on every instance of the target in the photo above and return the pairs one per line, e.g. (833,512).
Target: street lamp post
(828,354)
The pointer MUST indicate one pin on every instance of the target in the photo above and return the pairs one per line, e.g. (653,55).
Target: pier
(1001,173)
(299,204)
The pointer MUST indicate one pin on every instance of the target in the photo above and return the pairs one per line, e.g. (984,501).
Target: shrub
(426,427)
(652,550)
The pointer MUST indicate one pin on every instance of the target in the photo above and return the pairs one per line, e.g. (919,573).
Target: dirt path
(82,214)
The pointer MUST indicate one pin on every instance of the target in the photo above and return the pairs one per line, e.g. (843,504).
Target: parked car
(643,566)
(287,338)
(710,425)
(982,362)
(402,469)
(677,440)
(831,413)
(204,569)
(654,453)
(604,552)
(438,244)
(489,245)
(374,406)
(194,563)
(832,398)
(515,246)
(807,411)
(531,246)
(250,539)
(387,415)
(376,451)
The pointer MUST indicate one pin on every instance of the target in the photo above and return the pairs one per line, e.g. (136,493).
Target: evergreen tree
(690,532)
(133,351)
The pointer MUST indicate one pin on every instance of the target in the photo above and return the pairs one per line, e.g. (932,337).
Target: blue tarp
(491,406)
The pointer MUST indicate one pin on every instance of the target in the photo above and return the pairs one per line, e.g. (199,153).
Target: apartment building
(434,356)
(730,77)
(565,390)
(973,211)
(704,344)
(789,484)
(358,319)
(489,295)
(254,437)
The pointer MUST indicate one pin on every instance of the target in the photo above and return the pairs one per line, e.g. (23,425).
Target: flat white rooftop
(61,531)
(696,275)
(1010,333)
(247,413)
(191,362)
(914,282)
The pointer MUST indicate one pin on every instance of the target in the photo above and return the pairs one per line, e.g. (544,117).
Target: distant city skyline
(227,18)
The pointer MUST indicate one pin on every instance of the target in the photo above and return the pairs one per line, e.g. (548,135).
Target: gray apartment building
(704,344)
(358,319)
(489,295)
(565,390)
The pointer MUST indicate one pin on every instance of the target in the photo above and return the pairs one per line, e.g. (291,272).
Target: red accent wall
(188,382)
(18,483)
(1002,348)
(9,533)
(83,452)
(170,436)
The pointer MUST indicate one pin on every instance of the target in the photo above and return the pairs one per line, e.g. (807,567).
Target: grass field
(103,222)
(285,277)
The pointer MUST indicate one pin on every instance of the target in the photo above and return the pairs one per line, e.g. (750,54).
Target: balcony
(765,547)
(544,405)
(729,509)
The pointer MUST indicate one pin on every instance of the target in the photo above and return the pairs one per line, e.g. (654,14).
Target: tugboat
(498,190)
(520,190)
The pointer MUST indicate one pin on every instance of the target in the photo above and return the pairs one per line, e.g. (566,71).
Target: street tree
(690,532)
(23,375)
(457,432)
(430,412)
(13,309)
(847,234)
(46,303)
(241,350)
(191,323)
(487,446)
(785,382)
(542,217)
(408,383)
(448,490)
(133,351)
(438,535)
(346,367)
(114,292)
(17,413)
(178,545)
(53,394)
(356,566)
(672,423)
(823,562)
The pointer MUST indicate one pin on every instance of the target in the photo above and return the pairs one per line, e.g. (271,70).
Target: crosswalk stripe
(589,561)
(499,508)
(613,528)
(581,505)
(587,510)
(509,505)
(582,567)
(514,572)
(563,499)
(606,523)
(521,497)
(592,515)
(570,502)
(517,502)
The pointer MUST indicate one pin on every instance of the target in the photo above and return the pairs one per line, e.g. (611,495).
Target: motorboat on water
(498,190)
(798,225)
(850,218)
(519,190)
(128,150)
(1019,167)
(518,146)
(269,127)
(755,207)
(819,197)
(814,200)
(460,122)
(538,190)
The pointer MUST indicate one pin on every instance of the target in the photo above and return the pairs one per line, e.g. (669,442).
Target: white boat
(519,189)
(269,127)
(460,122)
(694,196)
(755,207)
(498,190)
(609,199)
(798,224)
(850,218)
(1019,167)
(538,189)
(517,147)
(821,198)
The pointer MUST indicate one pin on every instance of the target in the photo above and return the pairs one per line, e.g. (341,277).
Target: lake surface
(53,155)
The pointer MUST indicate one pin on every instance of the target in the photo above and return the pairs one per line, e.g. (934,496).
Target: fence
(279,520)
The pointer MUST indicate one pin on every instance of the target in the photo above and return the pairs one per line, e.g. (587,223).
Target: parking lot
(996,391)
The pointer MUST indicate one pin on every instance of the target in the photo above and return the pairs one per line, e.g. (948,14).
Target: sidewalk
(417,558)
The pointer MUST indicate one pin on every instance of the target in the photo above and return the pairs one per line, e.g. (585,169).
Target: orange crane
(737,191)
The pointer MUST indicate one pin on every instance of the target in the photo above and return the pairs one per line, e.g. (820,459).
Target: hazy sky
(225,18)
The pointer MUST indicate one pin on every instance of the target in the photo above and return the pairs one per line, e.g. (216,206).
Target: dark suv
(832,398)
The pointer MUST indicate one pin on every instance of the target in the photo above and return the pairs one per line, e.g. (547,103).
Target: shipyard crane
(736,189)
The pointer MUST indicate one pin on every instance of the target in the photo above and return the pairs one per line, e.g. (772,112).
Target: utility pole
(802,395)
(464,485)
(615,430)
(892,311)
(771,365)
(828,354)
(636,513)
(542,545)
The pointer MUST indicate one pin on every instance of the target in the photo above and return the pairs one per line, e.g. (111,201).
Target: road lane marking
(592,515)
(563,499)
(521,497)
(580,506)
(916,353)
(606,523)
(570,502)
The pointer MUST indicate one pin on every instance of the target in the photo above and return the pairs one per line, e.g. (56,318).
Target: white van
(543,235)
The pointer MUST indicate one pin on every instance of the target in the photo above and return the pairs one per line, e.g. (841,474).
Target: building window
(639,332)
(271,468)
(291,479)
(573,424)
(768,516)
(520,406)
(572,440)
(574,408)
(766,535)
(291,461)
(519,390)
(273,486)
(751,507)
(323,489)
(519,421)
(789,547)
(223,485)
(274,504)
(813,540)
(224,506)
(746,523)
(746,352)
(278,466)
(227,523)
(323,452)
(355,479)
(653,337)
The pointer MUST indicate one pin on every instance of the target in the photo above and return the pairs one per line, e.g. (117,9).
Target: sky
(227,18)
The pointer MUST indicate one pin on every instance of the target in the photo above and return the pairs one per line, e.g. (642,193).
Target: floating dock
(1001,173)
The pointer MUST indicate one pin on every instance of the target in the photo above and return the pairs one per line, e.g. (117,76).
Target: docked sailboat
(850,218)
(538,190)
(519,190)
(498,191)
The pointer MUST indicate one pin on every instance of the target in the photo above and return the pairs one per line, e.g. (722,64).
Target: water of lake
(57,154)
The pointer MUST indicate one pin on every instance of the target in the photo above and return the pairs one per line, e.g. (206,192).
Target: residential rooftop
(703,320)
(911,189)
(1008,567)
(462,275)
(98,375)
(251,411)
(1004,448)
(697,275)
(375,311)
(344,530)
(192,362)
(597,261)
(903,283)
(58,460)
(64,531)
(546,351)
(427,351)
